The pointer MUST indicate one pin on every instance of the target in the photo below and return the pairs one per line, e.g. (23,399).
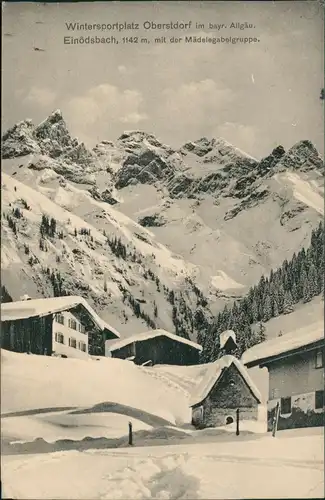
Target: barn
(157,347)
(225,388)
(52,326)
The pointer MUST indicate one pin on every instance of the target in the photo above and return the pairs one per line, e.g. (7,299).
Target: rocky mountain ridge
(210,166)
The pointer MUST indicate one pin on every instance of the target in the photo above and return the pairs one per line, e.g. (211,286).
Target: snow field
(284,467)
(305,191)
(222,281)
(209,464)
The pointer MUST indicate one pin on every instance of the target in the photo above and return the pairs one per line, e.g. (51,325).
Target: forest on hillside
(297,280)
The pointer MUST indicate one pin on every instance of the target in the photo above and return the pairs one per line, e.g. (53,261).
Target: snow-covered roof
(224,337)
(23,309)
(299,339)
(213,374)
(150,335)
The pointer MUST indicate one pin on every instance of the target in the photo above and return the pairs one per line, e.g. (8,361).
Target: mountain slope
(240,220)
(134,284)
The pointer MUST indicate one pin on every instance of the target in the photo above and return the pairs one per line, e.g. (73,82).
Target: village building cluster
(61,326)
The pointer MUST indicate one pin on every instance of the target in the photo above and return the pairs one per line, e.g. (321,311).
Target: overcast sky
(255,96)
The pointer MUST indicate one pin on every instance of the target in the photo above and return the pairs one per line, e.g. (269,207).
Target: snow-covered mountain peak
(304,148)
(19,141)
(199,147)
(302,156)
(51,139)
(140,140)
(138,136)
(226,144)
(214,150)
(54,117)
(54,135)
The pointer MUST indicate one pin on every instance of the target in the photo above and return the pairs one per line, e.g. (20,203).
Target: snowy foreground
(63,430)
(286,466)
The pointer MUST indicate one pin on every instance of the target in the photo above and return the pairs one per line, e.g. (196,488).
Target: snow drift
(33,382)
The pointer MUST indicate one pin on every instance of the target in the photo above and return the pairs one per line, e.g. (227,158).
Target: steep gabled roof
(150,335)
(286,345)
(213,375)
(24,309)
(226,336)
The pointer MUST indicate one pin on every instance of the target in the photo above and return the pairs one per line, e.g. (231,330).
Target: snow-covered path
(290,465)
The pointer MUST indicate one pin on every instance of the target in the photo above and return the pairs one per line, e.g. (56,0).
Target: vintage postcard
(162,250)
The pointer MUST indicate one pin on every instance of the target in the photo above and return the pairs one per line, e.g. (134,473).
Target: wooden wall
(124,352)
(28,335)
(295,375)
(160,350)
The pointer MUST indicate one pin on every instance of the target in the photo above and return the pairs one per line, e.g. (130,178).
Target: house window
(60,319)
(82,329)
(82,346)
(73,342)
(319,400)
(285,406)
(73,324)
(197,415)
(59,338)
(319,362)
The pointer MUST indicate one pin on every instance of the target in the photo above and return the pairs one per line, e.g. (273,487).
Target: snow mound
(33,382)
(63,425)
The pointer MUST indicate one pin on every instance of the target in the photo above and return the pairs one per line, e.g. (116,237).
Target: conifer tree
(312,280)
(306,292)
(267,308)
(280,295)
(171,297)
(261,337)
(275,307)
(288,303)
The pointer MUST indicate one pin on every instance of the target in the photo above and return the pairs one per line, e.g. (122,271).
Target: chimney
(228,341)
(25,297)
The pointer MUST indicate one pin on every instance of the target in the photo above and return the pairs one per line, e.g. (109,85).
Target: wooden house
(54,326)
(225,388)
(157,347)
(295,364)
